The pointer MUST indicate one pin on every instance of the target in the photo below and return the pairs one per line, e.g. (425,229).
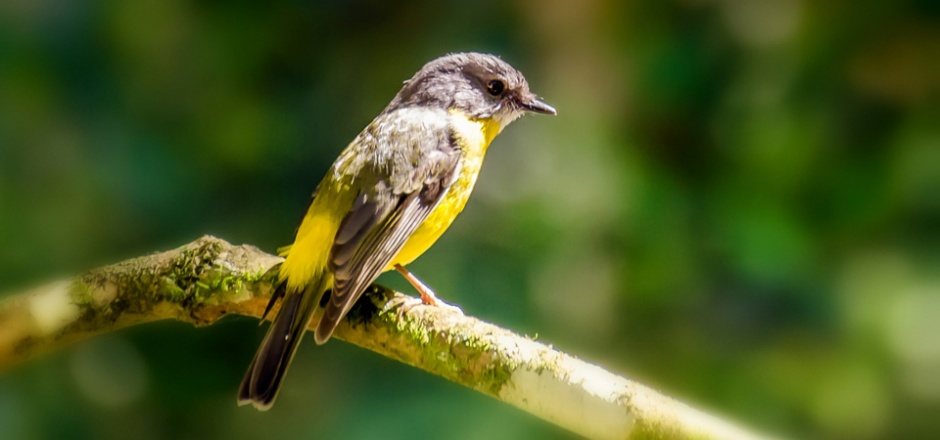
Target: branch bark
(210,278)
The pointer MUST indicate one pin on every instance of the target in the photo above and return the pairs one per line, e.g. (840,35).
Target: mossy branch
(209,278)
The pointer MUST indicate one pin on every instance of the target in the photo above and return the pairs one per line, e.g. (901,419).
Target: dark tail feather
(263,379)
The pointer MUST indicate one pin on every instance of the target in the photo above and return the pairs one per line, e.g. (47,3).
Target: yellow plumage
(388,197)
(474,138)
(306,258)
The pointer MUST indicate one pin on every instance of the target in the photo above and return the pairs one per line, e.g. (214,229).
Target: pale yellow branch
(209,278)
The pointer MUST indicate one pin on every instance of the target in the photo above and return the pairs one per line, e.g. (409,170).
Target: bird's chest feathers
(473,137)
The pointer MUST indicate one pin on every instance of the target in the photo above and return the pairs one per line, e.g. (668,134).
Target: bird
(386,199)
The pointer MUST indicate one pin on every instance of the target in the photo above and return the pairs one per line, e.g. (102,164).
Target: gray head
(481,85)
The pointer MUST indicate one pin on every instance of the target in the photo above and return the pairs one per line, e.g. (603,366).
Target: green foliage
(736,204)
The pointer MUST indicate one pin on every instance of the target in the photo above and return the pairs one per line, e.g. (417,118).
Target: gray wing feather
(412,181)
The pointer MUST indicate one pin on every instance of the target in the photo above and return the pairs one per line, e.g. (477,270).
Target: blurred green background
(737,204)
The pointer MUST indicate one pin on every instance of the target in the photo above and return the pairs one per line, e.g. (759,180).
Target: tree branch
(209,278)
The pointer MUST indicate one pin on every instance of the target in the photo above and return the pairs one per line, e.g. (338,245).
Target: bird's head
(481,86)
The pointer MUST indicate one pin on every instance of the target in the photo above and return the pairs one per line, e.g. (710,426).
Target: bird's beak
(535,105)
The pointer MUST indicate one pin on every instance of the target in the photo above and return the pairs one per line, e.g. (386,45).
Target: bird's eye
(495,87)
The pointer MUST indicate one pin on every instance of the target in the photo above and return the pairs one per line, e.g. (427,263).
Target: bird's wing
(415,175)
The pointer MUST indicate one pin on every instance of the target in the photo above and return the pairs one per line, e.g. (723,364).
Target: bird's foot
(428,297)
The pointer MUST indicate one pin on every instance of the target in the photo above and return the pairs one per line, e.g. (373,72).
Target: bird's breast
(473,138)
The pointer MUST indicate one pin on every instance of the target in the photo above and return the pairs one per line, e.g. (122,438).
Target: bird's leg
(427,295)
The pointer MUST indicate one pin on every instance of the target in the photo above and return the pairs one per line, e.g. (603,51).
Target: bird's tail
(263,379)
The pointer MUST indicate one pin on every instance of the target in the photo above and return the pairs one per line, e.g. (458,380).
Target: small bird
(388,197)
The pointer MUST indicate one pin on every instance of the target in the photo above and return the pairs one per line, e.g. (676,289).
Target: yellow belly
(474,137)
(306,258)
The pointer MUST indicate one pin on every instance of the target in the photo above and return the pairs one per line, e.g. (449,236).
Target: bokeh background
(737,204)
